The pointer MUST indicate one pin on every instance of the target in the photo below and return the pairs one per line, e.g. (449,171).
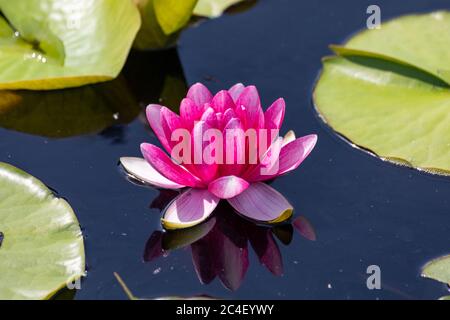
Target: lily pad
(42,248)
(438,269)
(53,44)
(68,112)
(213,8)
(173,15)
(417,40)
(161,21)
(395,110)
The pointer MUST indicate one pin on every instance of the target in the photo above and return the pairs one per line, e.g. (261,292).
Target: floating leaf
(416,40)
(68,112)
(161,21)
(173,15)
(213,8)
(43,248)
(438,269)
(52,44)
(399,112)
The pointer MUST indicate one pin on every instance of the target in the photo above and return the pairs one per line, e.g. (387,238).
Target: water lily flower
(250,160)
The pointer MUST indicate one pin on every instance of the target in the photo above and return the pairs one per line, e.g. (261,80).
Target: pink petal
(164,165)
(210,118)
(154,119)
(170,121)
(248,108)
(227,116)
(275,114)
(270,160)
(189,208)
(223,101)
(262,203)
(204,170)
(268,166)
(291,156)
(142,170)
(199,94)
(238,148)
(227,187)
(236,90)
(190,112)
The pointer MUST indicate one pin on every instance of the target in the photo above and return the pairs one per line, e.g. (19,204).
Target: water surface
(363,211)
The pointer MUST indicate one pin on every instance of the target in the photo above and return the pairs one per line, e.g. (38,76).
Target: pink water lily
(205,183)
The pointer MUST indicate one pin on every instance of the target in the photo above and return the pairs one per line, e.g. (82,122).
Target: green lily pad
(399,112)
(53,44)
(213,8)
(42,249)
(173,15)
(438,269)
(417,40)
(68,112)
(161,22)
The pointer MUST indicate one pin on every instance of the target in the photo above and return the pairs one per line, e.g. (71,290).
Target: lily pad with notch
(389,104)
(54,44)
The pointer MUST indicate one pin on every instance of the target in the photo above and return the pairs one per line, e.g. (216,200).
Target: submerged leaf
(55,44)
(43,246)
(398,110)
(438,269)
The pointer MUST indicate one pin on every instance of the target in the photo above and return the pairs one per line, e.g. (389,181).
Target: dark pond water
(363,211)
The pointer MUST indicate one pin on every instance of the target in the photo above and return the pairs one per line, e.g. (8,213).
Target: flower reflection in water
(220,246)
